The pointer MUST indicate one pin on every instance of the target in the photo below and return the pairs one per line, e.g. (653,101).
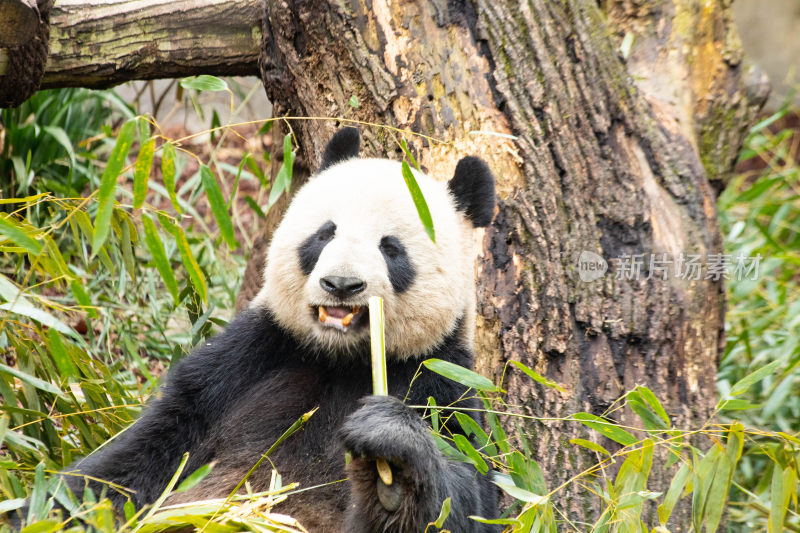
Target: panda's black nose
(342,287)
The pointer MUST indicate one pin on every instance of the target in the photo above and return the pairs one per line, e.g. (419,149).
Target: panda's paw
(394,461)
(384,428)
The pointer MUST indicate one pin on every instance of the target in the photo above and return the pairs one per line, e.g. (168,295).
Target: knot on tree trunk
(26,61)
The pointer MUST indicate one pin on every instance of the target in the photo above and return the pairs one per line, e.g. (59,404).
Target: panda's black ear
(472,187)
(343,145)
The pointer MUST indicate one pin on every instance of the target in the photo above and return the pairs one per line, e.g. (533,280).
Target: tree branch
(99,44)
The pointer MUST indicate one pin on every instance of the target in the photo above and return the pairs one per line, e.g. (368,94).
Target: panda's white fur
(368,199)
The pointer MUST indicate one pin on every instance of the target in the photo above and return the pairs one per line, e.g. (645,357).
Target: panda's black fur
(233,397)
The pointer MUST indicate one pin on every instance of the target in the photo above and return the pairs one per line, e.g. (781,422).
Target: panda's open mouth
(343,318)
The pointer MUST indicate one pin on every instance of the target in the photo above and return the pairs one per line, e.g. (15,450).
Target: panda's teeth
(346,320)
(323,316)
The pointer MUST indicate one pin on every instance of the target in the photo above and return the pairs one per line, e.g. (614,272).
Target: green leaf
(461,375)
(419,201)
(445,512)
(18,235)
(141,172)
(195,477)
(754,377)
(450,452)
(11,293)
(471,427)
(701,481)
(521,494)
(204,82)
(674,493)
(168,174)
(12,505)
(108,184)
(653,402)
(783,484)
(737,405)
(31,380)
(254,206)
(604,427)
(40,316)
(467,449)
(353,102)
(37,507)
(718,493)
(44,526)
(409,155)
(218,206)
(283,179)
(125,243)
(535,376)
(650,420)
(80,294)
(59,354)
(195,274)
(590,445)
(153,242)
(63,139)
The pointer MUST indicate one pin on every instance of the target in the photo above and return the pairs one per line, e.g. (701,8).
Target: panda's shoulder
(252,340)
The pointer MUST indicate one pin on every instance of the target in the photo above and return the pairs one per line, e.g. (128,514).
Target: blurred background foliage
(123,246)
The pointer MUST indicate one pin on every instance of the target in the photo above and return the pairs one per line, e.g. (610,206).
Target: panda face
(353,232)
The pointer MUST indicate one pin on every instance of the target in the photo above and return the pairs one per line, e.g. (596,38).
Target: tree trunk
(605,160)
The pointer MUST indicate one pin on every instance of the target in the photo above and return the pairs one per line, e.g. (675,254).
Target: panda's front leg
(384,429)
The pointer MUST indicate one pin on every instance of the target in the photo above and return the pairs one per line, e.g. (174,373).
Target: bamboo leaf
(673,493)
(538,378)
(168,174)
(467,449)
(701,482)
(781,488)
(445,511)
(283,179)
(195,274)
(521,494)
(195,477)
(461,375)
(40,316)
(218,206)
(419,201)
(604,427)
(204,82)
(31,380)
(18,235)
(79,291)
(141,172)
(409,155)
(590,445)
(60,356)
(153,242)
(754,377)
(653,402)
(108,184)
(37,507)
(718,493)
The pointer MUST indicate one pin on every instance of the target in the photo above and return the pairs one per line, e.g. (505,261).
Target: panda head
(353,232)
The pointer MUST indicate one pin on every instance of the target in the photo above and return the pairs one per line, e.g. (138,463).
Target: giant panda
(351,232)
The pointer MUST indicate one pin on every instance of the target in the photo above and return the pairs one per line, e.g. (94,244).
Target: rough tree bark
(611,156)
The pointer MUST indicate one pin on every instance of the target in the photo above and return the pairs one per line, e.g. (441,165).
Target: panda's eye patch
(401,271)
(312,247)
